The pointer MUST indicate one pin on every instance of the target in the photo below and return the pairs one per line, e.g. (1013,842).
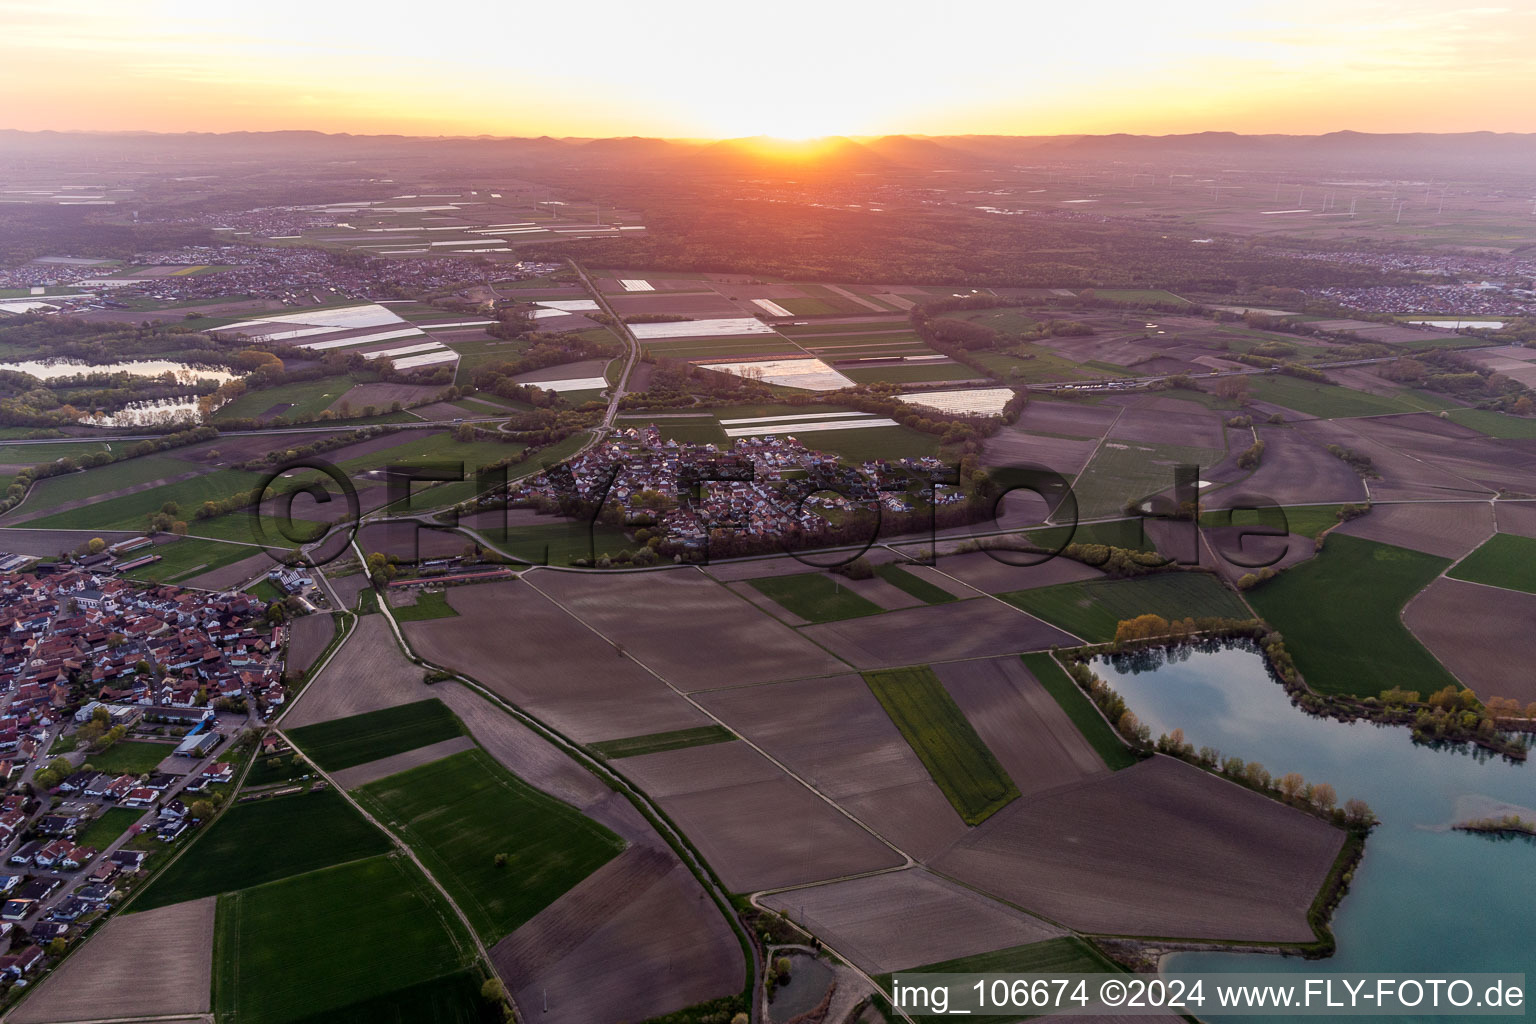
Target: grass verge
(657,742)
(1080,710)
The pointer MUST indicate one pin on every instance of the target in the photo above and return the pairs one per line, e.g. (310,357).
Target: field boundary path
(658,821)
(615,393)
(399,843)
(405,848)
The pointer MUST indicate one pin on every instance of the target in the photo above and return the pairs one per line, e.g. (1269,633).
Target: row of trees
(23,480)
(1451,373)
(1292,787)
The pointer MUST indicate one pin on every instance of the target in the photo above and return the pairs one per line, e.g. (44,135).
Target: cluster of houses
(152,646)
(25,930)
(767,485)
(151,653)
(57,861)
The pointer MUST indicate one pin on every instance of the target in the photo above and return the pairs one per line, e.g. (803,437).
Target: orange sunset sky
(795,69)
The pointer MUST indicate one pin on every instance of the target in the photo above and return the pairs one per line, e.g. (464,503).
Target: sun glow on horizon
(702,70)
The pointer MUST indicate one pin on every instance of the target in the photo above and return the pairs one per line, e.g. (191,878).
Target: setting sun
(703,71)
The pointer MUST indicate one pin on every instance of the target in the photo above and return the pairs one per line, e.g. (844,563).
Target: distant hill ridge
(852,154)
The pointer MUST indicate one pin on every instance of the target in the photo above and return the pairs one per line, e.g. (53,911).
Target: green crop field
(264,841)
(1093,608)
(476,354)
(268,771)
(1495,424)
(39,454)
(816,596)
(1354,588)
(444,494)
(1504,560)
(1008,320)
(1124,471)
(450,999)
(1139,295)
(130,511)
(130,758)
(266,590)
(415,450)
(1129,533)
(1034,363)
(1327,401)
(962,766)
(815,307)
(238,525)
(432,605)
(853,340)
(1204,399)
(310,397)
(740,412)
(693,431)
(460,812)
(1303,520)
(866,327)
(723,349)
(1104,740)
(25,433)
(189,556)
(558,543)
(57,490)
(345,742)
(868,443)
(657,742)
(114,821)
(317,946)
(928,593)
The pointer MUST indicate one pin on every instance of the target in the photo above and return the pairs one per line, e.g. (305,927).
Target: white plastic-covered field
(363,339)
(571,384)
(808,426)
(406,350)
(771,308)
(25,306)
(636,285)
(426,359)
(701,328)
(810,374)
(972,402)
(342,318)
(770,421)
(454,323)
(570,305)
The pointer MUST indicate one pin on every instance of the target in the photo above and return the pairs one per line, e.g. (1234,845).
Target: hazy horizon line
(487,136)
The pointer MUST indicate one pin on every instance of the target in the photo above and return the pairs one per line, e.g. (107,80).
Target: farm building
(198,745)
